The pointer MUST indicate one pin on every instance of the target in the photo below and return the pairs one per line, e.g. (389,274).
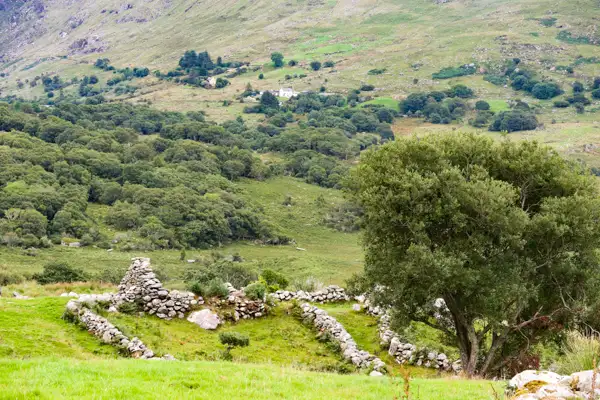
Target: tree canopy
(505,233)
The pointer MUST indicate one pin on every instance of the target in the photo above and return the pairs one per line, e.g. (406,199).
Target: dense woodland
(167,176)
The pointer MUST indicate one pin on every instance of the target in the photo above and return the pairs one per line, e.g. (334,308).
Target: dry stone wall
(402,351)
(141,286)
(79,310)
(350,351)
(329,294)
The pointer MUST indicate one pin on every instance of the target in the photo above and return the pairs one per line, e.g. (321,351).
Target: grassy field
(328,255)
(129,379)
(34,328)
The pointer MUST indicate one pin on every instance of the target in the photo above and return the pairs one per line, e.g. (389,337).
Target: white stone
(523,378)
(205,319)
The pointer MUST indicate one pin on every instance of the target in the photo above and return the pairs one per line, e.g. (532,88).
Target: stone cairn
(534,385)
(329,294)
(141,286)
(403,352)
(350,351)
(79,310)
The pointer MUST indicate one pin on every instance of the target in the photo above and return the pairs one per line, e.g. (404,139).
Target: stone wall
(329,294)
(79,310)
(350,351)
(141,286)
(402,351)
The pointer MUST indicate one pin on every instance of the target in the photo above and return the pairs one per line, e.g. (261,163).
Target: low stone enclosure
(349,349)
(140,290)
(534,385)
(403,352)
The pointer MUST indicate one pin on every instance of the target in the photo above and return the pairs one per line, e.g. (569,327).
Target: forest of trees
(166,176)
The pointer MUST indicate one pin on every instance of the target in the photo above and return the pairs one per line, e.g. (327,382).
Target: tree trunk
(468,342)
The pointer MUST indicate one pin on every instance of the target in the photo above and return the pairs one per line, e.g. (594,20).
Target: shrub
(213,288)
(367,88)
(561,104)
(261,76)
(232,340)
(498,80)
(59,272)
(377,71)
(453,72)
(482,105)
(328,64)
(546,90)
(578,87)
(7,278)
(596,94)
(292,63)
(511,121)
(255,291)
(273,278)
(315,65)
(579,98)
(461,91)
(579,353)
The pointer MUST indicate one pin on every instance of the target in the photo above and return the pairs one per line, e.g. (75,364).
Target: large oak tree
(505,233)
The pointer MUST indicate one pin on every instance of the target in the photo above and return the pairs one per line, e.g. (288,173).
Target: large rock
(520,380)
(205,319)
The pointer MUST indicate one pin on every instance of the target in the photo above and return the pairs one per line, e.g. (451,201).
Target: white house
(287,93)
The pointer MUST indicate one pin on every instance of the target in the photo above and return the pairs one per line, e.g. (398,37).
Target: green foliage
(561,104)
(512,121)
(482,105)
(546,90)
(548,21)
(528,211)
(315,65)
(128,308)
(277,59)
(578,87)
(261,76)
(367,88)
(568,37)
(255,291)
(498,80)
(328,64)
(226,271)
(234,339)
(453,72)
(580,353)
(377,71)
(596,93)
(212,288)
(273,278)
(58,272)
(461,91)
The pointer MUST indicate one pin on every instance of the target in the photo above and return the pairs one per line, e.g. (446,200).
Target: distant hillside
(409,38)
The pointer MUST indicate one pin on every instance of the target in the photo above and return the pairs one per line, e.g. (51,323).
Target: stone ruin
(350,351)
(80,310)
(140,286)
(402,351)
(329,294)
(244,308)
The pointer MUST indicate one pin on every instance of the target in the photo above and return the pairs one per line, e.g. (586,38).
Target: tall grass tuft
(581,350)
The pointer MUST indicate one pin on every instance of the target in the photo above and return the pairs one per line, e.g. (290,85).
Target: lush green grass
(277,339)
(363,329)
(132,379)
(329,255)
(384,101)
(34,328)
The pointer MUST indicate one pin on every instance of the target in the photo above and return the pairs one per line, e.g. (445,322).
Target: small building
(287,93)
